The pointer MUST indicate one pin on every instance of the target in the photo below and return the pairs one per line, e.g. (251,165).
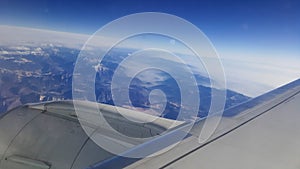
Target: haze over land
(37,65)
(249,74)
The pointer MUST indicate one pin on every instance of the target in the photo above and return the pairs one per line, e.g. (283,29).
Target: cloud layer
(248,74)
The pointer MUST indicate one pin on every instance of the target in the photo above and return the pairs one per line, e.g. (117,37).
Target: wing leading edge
(262,133)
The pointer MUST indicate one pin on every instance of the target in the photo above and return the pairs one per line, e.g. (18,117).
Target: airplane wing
(261,133)
(49,135)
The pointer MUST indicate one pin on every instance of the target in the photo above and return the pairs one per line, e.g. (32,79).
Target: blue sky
(248,30)
(252,24)
(229,23)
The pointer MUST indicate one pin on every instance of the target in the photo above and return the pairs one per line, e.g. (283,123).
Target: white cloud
(17,37)
(254,76)
(250,74)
